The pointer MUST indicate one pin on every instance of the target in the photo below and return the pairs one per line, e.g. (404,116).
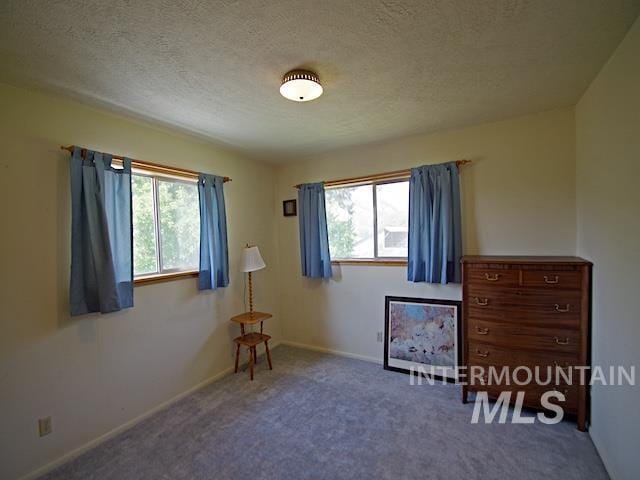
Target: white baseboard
(125,426)
(334,352)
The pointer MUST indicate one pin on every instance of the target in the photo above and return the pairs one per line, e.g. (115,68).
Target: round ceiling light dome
(300,86)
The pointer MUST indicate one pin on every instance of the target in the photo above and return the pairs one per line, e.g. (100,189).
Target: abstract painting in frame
(424,334)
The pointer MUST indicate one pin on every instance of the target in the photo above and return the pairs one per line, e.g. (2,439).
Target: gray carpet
(318,416)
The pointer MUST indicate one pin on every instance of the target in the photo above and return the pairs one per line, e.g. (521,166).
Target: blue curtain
(314,238)
(101,234)
(435,234)
(214,254)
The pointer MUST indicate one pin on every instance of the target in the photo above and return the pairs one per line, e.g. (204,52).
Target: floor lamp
(251,261)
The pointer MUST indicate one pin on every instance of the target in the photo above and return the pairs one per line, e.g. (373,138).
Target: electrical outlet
(381,337)
(44,426)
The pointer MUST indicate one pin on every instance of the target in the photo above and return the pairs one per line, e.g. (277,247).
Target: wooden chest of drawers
(527,311)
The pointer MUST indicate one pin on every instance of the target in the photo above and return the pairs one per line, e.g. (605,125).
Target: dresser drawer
(536,306)
(494,277)
(571,280)
(524,337)
(486,354)
(493,369)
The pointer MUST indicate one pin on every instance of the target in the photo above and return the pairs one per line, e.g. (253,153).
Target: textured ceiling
(389,67)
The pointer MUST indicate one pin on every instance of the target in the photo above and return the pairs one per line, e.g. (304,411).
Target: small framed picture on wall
(289,208)
(422,335)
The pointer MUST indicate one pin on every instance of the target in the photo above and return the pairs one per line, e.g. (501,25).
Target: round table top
(249,318)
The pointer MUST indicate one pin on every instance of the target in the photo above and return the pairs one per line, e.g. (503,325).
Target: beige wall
(608,206)
(518,198)
(96,372)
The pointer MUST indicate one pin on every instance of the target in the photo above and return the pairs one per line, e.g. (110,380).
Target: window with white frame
(166,224)
(368,221)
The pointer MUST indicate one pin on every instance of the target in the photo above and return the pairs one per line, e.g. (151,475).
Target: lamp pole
(250,294)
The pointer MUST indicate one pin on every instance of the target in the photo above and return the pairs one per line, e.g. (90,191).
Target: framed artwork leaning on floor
(424,334)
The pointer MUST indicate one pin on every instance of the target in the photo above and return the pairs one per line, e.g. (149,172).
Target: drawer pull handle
(482,331)
(562,342)
(482,301)
(492,278)
(556,279)
(560,309)
(481,353)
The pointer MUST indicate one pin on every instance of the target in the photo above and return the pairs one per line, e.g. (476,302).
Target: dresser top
(558,260)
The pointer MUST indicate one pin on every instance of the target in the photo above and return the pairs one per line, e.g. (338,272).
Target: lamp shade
(251,260)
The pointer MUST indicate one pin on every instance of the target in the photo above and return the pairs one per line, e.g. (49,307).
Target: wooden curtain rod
(378,176)
(152,167)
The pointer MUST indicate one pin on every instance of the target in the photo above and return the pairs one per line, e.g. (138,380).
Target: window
(166,225)
(368,222)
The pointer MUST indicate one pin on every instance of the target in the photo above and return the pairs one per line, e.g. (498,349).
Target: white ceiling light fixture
(300,86)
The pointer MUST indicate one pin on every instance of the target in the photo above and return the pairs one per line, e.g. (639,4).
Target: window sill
(163,277)
(378,262)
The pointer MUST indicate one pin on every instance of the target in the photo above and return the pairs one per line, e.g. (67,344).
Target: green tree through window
(342,232)
(144,228)
(354,211)
(166,225)
(179,224)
